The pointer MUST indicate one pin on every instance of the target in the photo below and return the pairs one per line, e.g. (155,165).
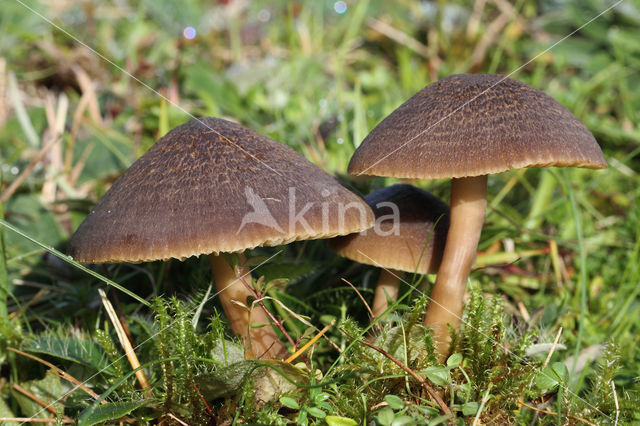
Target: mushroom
(408,236)
(211,186)
(465,127)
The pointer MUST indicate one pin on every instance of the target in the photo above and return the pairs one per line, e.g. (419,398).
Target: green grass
(319,81)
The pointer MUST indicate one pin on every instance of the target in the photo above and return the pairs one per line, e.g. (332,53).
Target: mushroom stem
(468,205)
(388,286)
(264,342)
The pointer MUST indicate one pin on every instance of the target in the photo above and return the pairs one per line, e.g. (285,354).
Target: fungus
(466,127)
(211,186)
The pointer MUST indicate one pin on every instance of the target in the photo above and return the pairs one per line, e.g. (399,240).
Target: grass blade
(74,263)
(4,277)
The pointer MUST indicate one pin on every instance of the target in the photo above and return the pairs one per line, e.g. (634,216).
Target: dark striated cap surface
(212,186)
(475,124)
(380,246)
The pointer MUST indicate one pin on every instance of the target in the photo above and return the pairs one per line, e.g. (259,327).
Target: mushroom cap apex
(475,124)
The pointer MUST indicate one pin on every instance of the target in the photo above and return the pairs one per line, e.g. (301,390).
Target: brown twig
(262,305)
(204,401)
(88,90)
(62,374)
(27,171)
(266,351)
(399,37)
(409,371)
(79,166)
(38,401)
(491,34)
(302,320)
(379,405)
(531,407)
(366,305)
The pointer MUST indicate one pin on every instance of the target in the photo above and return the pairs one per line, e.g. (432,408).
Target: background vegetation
(80,100)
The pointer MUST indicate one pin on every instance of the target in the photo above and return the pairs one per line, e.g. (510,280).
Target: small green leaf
(316,412)
(464,388)
(48,389)
(439,420)
(552,376)
(323,396)
(340,421)
(256,325)
(111,411)
(5,411)
(289,402)
(290,272)
(454,360)
(426,410)
(302,417)
(403,420)
(324,405)
(385,416)
(561,370)
(546,379)
(394,402)
(438,375)
(470,408)
(326,319)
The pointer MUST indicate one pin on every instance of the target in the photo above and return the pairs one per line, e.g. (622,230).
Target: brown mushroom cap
(475,124)
(419,211)
(189,193)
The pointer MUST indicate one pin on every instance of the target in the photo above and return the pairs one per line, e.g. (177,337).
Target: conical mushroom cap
(472,125)
(422,224)
(212,186)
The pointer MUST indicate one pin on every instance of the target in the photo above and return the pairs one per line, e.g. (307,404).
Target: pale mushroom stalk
(233,293)
(387,288)
(468,205)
